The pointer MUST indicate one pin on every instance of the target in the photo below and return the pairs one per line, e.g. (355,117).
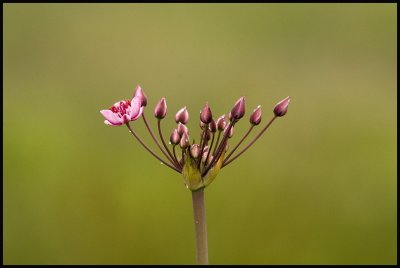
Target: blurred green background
(318,188)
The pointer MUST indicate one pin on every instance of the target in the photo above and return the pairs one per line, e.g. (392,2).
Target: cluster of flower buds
(198,162)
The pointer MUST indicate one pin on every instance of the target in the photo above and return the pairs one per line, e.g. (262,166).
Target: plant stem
(199,212)
(156,141)
(176,158)
(240,142)
(151,151)
(209,150)
(216,144)
(221,147)
(171,157)
(202,145)
(251,143)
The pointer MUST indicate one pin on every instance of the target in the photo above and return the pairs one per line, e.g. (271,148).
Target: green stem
(171,158)
(199,212)
(240,142)
(156,141)
(151,151)
(216,144)
(251,143)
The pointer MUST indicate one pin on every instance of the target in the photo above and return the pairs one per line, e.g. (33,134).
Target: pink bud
(205,153)
(213,126)
(161,109)
(140,94)
(221,123)
(282,107)
(205,114)
(238,109)
(204,157)
(182,129)
(208,135)
(230,134)
(210,159)
(195,150)
(255,117)
(175,137)
(182,116)
(184,143)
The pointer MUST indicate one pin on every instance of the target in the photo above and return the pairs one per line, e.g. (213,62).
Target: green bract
(192,175)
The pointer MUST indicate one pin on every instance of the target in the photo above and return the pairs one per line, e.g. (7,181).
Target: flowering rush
(200,162)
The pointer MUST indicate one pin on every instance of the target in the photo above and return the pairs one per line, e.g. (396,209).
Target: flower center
(121,107)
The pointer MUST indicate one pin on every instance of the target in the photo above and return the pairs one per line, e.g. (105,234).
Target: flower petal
(140,112)
(108,123)
(111,117)
(135,110)
(138,91)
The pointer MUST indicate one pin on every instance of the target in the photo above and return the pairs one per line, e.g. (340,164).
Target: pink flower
(123,112)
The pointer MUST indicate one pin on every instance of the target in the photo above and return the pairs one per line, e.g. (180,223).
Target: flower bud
(182,116)
(255,117)
(184,143)
(139,93)
(221,123)
(282,107)
(210,159)
(208,135)
(213,126)
(202,125)
(238,109)
(175,137)
(161,109)
(204,157)
(195,150)
(205,114)
(230,134)
(182,129)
